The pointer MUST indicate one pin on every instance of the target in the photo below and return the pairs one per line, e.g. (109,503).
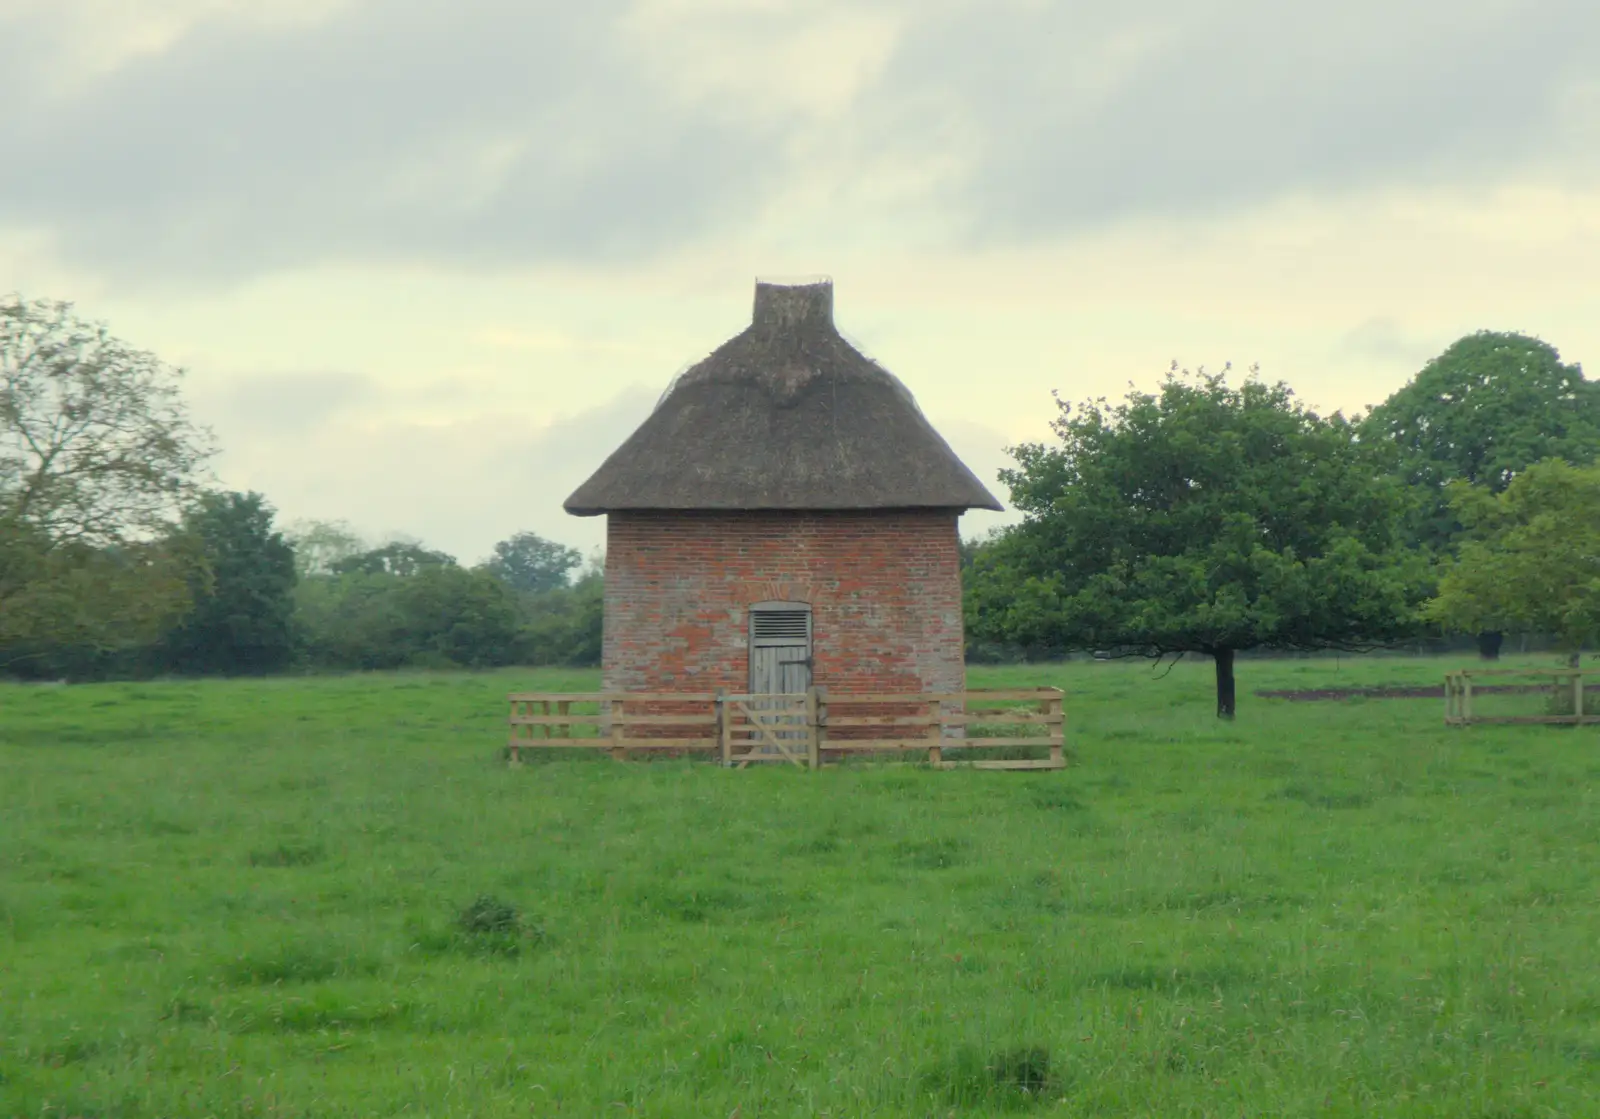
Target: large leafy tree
(1531,560)
(318,545)
(241,622)
(459,617)
(440,615)
(530,563)
(564,626)
(97,455)
(1205,519)
(66,605)
(1484,410)
(402,558)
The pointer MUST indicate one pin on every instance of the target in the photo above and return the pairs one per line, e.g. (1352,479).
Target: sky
(427,262)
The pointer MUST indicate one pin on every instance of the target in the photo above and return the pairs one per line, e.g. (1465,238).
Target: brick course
(884,588)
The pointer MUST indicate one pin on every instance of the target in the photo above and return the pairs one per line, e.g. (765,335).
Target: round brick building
(785,517)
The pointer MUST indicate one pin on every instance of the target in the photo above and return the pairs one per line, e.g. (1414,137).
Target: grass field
(258,898)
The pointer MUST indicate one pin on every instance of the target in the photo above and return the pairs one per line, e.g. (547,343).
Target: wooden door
(780,666)
(780,669)
(780,648)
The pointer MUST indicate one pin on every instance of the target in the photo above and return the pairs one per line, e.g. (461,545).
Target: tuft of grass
(73,1050)
(1007,1080)
(487,915)
(486,926)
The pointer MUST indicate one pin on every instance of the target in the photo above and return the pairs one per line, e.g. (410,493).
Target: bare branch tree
(97,457)
(96,445)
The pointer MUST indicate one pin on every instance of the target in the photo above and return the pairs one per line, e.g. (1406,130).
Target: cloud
(1077,113)
(342,447)
(983,449)
(471,131)
(282,404)
(458,484)
(1385,341)
(214,141)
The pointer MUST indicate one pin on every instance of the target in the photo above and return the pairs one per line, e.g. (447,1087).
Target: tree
(402,558)
(528,562)
(1531,560)
(318,545)
(564,626)
(97,455)
(1486,409)
(440,616)
(1481,412)
(95,442)
(241,620)
(987,646)
(1203,519)
(66,607)
(456,617)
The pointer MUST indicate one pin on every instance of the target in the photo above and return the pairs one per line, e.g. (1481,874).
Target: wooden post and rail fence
(1563,688)
(805,729)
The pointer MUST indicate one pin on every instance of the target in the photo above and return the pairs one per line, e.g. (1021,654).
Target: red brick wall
(884,590)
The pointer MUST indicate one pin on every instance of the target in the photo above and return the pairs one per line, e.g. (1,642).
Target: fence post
(1058,729)
(724,731)
(1577,697)
(514,754)
(1466,700)
(936,751)
(821,731)
(619,730)
(813,730)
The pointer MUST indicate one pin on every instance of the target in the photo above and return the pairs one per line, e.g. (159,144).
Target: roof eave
(587,510)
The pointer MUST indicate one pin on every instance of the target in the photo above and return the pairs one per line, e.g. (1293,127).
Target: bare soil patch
(1396,691)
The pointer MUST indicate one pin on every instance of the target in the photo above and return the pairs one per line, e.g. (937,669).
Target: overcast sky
(428,261)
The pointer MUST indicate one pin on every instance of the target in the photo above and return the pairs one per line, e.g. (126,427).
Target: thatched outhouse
(786,516)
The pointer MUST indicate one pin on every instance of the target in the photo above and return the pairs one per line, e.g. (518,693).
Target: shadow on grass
(1317,796)
(288,854)
(291,964)
(319,1015)
(1149,977)
(932,854)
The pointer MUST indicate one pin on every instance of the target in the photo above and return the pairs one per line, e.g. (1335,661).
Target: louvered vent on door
(780,627)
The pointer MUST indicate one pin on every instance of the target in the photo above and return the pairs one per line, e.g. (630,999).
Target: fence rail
(1563,688)
(1025,726)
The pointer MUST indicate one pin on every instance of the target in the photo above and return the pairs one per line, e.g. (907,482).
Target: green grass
(331,897)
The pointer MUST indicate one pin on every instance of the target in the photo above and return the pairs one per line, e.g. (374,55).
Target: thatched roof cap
(785,415)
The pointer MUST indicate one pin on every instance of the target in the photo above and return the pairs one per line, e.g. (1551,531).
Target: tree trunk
(1489,646)
(1225,692)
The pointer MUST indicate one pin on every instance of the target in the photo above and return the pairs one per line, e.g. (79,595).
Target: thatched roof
(785,415)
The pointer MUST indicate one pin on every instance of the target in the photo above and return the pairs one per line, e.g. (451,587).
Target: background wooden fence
(1012,728)
(1558,692)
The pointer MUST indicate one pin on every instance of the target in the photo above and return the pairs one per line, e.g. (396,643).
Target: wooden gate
(1027,723)
(765,727)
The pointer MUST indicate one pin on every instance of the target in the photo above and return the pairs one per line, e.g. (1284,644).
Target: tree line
(117,560)
(255,600)
(1214,516)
